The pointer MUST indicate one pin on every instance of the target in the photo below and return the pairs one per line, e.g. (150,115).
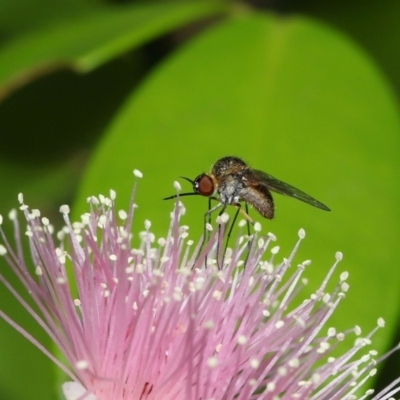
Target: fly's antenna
(182,194)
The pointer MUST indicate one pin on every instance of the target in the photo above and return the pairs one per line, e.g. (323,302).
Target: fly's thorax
(227,166)
(229,189)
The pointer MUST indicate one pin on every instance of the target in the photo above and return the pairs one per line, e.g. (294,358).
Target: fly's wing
(284,188)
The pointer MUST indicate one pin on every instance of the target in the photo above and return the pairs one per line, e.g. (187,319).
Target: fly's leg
(206,232)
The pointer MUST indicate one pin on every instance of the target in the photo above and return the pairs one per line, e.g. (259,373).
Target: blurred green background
(304,90)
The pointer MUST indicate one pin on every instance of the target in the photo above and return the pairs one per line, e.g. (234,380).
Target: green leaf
(22,16)
(297,100)
(88,41)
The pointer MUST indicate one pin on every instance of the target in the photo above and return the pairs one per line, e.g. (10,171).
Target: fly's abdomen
(260,198)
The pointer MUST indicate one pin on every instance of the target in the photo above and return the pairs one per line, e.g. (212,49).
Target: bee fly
(231,181)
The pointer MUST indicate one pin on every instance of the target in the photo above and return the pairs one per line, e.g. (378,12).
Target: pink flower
(151,322)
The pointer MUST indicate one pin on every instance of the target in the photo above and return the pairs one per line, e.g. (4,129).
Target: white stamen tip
(209,227)
(344,276)
(254,363)
(279,324)
(177,186)
(147,224)
(294,362)
(271,386)
(257,227)
(344,287)
(137,173)
(212,362)
(339,256)
(241,339)
(224,218)
(242,223)
(302,233)
(381,322)
(122,215)
(3,250)
(20,198)
(113,194)
(275,250)
(373,372)
(82,364)
(64,209)
(271,236)
(331,332)
(73,391)
(1,219)
(12,214)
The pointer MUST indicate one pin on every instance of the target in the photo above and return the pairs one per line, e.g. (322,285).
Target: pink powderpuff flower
(152,322)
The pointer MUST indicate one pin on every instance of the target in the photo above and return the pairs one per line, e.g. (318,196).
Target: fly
(231,181)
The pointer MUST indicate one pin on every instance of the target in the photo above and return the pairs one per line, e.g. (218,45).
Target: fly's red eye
(204,185)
